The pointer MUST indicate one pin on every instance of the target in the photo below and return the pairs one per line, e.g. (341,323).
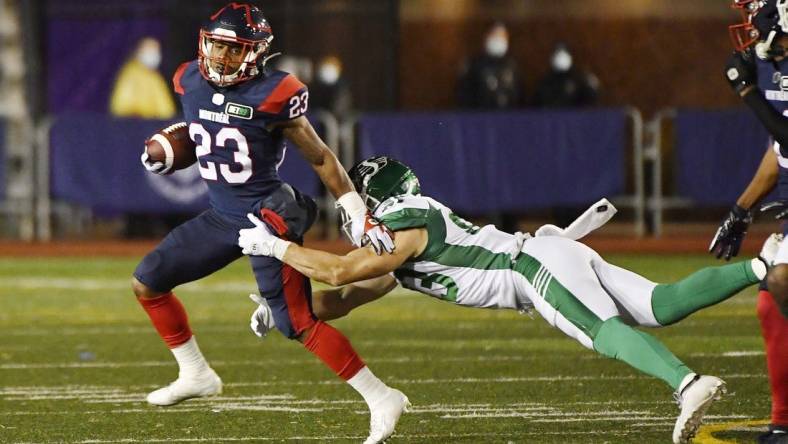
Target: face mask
(562,60)
(497,46)
(328,74)
(150,58)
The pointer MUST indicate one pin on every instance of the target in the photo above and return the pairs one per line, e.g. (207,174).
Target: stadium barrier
(479,163)
(700,158)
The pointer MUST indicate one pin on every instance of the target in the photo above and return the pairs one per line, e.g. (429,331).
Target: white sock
(369,386)
(758,268)
(685,382)
(190,360)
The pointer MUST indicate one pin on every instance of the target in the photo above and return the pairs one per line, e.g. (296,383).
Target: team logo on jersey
(214,116)
(240,111)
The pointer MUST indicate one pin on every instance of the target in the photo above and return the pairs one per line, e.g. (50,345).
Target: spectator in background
(140,90)
(566,86)
(491,79)
(330,91)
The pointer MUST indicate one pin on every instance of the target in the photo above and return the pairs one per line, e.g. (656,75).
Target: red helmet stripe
(286,89)
(248,15)
(176,79)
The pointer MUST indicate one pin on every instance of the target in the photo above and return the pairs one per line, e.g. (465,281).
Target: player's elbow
(342,273)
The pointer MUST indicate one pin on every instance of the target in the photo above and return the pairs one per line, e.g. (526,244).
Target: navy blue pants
(208,243)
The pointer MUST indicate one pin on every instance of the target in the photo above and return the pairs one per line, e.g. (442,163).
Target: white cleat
(694,400)
(384,416)
(770,247)
(207,383)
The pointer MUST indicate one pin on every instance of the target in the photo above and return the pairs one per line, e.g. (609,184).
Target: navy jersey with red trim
(773,81)
(237,155)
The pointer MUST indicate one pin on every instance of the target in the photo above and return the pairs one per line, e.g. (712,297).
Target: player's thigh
(191,251)
(567,292)
(288,293)
(630,291)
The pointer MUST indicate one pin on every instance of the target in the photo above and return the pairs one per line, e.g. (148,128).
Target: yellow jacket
(141,92)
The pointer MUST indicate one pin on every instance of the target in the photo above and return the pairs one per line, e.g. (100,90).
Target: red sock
(333,348)
(168,316)
(775,333)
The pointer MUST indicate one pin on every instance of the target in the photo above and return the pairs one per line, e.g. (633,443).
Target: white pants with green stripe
(575,290)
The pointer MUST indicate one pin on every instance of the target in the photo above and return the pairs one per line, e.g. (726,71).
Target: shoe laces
(677,398)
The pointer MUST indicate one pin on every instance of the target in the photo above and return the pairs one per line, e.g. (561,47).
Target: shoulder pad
(286,97)
(400,213)
(184,76)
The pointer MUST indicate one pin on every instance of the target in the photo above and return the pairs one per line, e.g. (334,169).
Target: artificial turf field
(78,355)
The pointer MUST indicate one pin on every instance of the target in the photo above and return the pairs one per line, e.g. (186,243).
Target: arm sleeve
(405,218)
(775,123)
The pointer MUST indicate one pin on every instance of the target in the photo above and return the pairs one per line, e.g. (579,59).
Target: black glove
(780,206)
(741,70)
(727,240)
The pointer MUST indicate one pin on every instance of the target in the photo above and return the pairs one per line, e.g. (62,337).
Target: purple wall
(83,58)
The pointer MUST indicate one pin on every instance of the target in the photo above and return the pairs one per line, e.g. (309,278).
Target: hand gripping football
(173,147)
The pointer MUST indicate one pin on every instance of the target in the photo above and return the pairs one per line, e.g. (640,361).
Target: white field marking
(266,361)
(730,354)
(441,437)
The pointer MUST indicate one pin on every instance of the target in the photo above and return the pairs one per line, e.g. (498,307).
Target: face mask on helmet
(233,44)
(763,21)
(378,179)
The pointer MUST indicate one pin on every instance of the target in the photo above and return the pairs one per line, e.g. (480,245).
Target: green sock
(673,302)
(640,350)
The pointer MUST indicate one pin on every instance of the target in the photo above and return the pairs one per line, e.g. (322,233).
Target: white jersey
(462,263)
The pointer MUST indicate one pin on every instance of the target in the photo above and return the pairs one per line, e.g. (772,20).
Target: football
(173,147)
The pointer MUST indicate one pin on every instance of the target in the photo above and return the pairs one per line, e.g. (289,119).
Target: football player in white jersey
(568,283)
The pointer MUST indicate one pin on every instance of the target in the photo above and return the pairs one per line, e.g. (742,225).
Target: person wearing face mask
(140,90)
(566,86)
(491,79)
(330,91)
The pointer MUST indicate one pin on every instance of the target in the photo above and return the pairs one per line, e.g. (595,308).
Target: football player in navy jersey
(240,115)
(758,72)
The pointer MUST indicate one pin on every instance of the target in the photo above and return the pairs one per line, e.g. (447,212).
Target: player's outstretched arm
(729,235)
(365,228)
(320,157)
(334,303)
(358,265)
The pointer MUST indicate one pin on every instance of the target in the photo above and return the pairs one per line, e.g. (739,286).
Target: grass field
(77,356)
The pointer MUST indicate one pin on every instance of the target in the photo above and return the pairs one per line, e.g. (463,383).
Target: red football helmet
(233,44)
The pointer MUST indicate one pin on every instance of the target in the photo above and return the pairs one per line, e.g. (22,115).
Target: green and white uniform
(568,283)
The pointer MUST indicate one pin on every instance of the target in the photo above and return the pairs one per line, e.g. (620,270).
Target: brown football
(172,146)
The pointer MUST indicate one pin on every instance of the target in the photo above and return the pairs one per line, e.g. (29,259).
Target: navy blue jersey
(237,155)
(773,81)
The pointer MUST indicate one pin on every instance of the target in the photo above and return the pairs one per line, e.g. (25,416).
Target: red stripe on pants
(169,317)
(294,288)
(774,327)
(334,349)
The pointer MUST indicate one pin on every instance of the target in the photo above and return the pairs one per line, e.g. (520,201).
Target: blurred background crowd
(549,94)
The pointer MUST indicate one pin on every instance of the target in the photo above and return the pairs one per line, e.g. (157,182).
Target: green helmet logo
(378,178)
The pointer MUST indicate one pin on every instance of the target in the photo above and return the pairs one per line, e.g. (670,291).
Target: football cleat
(694,400)
(384,416)
(207,383)
(770,248)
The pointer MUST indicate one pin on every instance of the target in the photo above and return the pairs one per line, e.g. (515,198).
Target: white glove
(366,230)
(154,167)
(259,241)
(263,318)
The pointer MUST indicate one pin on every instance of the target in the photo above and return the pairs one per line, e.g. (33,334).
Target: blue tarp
(717,153)
(482,162)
